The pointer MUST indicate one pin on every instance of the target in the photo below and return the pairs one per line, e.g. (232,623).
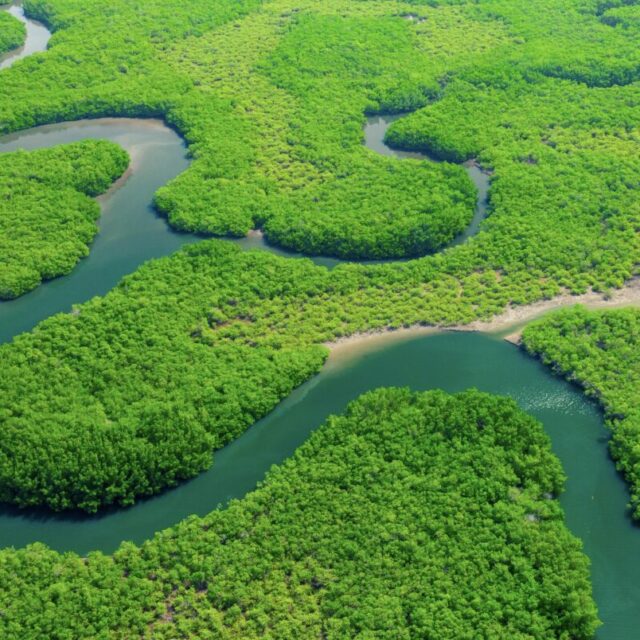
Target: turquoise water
(131,232)
(594,500)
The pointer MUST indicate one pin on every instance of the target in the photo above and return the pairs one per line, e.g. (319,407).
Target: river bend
(37,37)
(131,232)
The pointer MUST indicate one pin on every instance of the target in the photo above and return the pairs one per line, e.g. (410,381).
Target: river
(130,233)
(37,37)
(594,500)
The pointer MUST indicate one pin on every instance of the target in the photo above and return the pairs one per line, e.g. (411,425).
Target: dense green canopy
(412,516)
(12,32)
(600,350)
(271,99)
(47,217)
(132,392)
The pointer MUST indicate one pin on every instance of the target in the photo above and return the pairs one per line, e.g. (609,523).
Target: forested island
(413,515)
(47,214)
(431,513)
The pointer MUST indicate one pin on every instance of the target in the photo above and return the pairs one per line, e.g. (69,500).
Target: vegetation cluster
(293,140)
(428,511)
(47,214)
(411,516)
(271,103)
(133,396)
(600,351)
(12,32)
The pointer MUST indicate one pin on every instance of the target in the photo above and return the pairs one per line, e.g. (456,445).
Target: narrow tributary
(130,231)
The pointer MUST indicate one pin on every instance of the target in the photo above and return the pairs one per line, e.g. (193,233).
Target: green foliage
(627,16)
(131,393)
(310,183)
(47,216)
(601,352)
(138,387)
(356,218)
(411,516)
(12,32)
(133,397)
(271,102)
(542,141)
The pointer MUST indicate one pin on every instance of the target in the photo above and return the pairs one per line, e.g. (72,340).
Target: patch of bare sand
(508,324)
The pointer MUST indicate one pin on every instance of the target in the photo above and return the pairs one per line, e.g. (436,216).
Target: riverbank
(36,38)
(508,324)
(130,233)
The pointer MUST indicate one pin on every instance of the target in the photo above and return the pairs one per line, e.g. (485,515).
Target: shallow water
(130,231)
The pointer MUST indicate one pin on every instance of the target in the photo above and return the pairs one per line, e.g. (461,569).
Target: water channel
(36,40)
(131,232)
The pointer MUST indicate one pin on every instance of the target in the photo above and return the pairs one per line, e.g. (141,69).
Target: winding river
(374,133)
(36,40)
(131,233)
(594,500)
(130,230)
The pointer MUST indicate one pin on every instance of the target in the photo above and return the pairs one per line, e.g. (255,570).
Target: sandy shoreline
(117,184)
(134,165)
(510,323)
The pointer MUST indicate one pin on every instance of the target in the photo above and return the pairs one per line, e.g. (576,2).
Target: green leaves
(12,32)
(47,218)
(133,398)
(406,517)
(600,351)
